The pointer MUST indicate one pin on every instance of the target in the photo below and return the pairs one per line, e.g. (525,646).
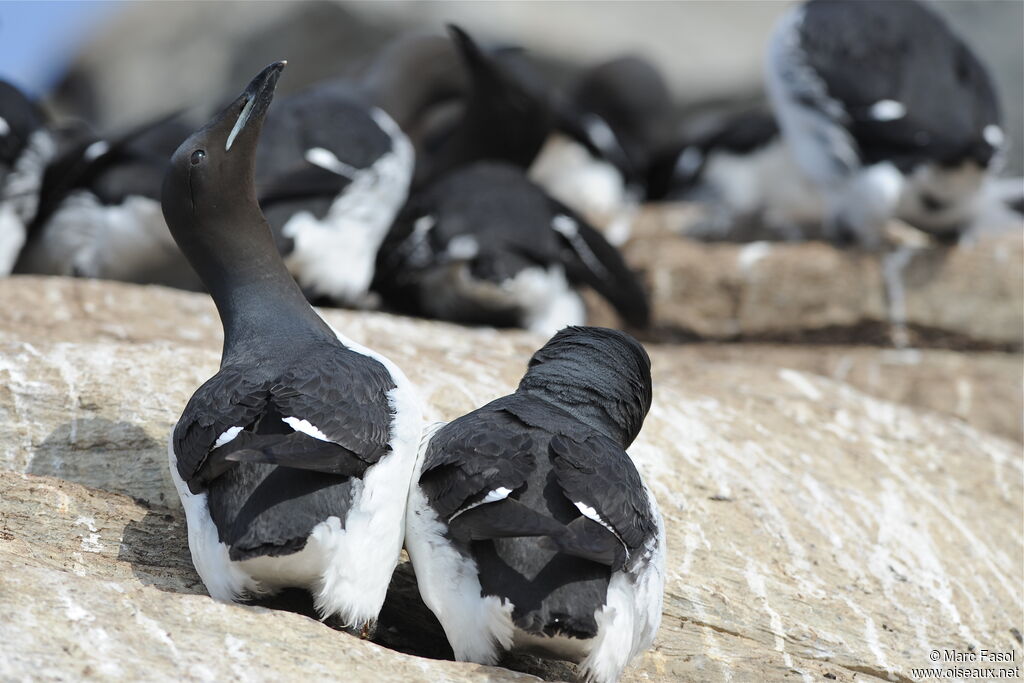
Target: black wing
(590,259)
(304,181)
(342,419)
(596,473)
(492,206)
(470,457)
(330,117)
(676,168)
(473,469)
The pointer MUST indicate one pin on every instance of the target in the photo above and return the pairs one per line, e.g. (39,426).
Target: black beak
(254,101)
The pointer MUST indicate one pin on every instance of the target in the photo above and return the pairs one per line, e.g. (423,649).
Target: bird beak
(253,103)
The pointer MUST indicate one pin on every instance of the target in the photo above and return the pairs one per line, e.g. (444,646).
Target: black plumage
(506,115)
(899,50)
(341,394)
(332,116)
(675,169)
(21,117)
(98,209)
(888,112)
(621,108)
(269,464)
(276,451)
(490,222)
(537,489)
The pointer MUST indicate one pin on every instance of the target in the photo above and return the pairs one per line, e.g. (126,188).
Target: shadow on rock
(156,547)
(408,626)
(113,456)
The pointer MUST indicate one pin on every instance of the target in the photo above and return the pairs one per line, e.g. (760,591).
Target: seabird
(888,111)
(505,115)
(485,245)
(292,461)
(334,165)
(742,171)
(609,121)
(509,113)
(26,147)
(98,213)
(529,527)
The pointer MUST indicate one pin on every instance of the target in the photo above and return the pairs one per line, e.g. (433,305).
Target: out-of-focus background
(117,63)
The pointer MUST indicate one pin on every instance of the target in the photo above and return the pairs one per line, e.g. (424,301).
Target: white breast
(335,256)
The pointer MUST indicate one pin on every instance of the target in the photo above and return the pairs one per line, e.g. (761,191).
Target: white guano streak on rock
(980,550)
(870,635)
(152,627)
(90,543)
(800,382)
(895,529)
(19,386)
(766,488)
(755,580)
(238,658)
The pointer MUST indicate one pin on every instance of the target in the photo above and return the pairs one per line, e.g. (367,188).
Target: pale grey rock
(812,528)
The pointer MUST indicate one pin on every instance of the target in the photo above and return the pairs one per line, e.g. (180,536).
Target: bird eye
(198,156)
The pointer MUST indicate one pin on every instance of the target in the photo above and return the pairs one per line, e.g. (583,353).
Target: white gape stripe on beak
(239,124)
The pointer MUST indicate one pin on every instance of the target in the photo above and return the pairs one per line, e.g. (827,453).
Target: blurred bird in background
(26,147)
(477,180)
(878,111)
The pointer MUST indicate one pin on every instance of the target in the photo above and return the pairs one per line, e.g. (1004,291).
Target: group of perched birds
(447,179)
(452,180)
(303,462)
(400,185)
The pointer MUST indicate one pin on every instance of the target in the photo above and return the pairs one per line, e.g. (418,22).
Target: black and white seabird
(510,113)
(334,168)
(529,526)
(485,245)
(26,147)
(506,116)
(98,214)
(887,110)
(292,461)
(609,121)
(741,170)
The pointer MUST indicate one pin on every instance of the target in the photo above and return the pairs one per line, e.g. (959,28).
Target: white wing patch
(325,159)
(305,427)
(993,135)
(591,513)
(500,493)
(5,128)
(96,150)
(887,110)
(229,434)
